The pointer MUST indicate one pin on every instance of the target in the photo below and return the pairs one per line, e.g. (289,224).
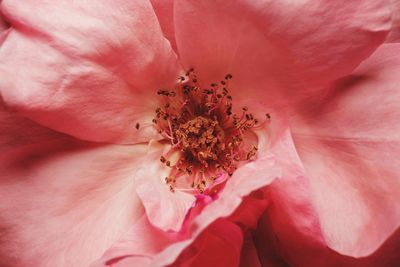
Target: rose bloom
(199,133)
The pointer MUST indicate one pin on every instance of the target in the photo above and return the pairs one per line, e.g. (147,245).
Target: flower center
(207,139)
(202,140)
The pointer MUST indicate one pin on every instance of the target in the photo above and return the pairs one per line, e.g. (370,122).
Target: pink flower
(81,182)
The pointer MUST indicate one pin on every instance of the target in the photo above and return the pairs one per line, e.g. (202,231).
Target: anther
(200,126)
(137,126)
(228,76)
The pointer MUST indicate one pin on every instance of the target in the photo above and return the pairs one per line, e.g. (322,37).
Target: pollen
(200,124)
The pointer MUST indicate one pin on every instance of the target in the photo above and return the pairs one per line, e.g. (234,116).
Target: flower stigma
(201,127)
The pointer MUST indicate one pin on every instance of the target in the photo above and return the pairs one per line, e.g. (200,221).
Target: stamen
(200,125)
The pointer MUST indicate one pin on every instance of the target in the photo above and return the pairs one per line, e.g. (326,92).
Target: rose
(60,61)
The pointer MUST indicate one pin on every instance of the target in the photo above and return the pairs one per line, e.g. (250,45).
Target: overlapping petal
(62,202)
(164,10)
(248,178)
(219,245)
(165,209)
(291,221)
(137,246)
(249,256)
(93,75)
(348,141)
(394,34)
(277,49)
(3,23)
(89,70)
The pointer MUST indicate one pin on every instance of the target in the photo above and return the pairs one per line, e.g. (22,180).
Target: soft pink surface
(248,178)
(292,220)
(276,48)
(219,245)
(138,245)
(349,142)
(275,249)
(3,24)
(62,202)
(249,256)
(165,209)
(394,35)
(164,10)
(90,70)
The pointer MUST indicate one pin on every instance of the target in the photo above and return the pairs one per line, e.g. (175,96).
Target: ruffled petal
(394,34)
(249,212)
(219,245)
(164,10)
(165,209)
(278,50)
(290,225)
(89,70)
(349,144)
(138,245)
(248,178)
(62,202)
(276,250)
(249,256)
(3,24)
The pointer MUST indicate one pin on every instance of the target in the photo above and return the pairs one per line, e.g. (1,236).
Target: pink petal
(219,245)
(249,256)
(289,232)
(249,212)
(394,34)
(62,202)
(3,23)
(387,255)
(265,241)
(245,180)
(165,209)
(89,70)
(138,245)
(277,49)
(291,224)
(157,197)
(283,245)
(164,10)
(275,251)
(349,143)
